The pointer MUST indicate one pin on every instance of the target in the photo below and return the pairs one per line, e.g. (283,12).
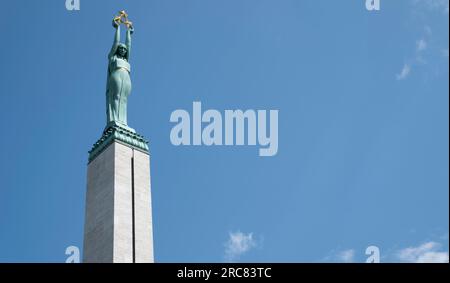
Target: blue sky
(363,126)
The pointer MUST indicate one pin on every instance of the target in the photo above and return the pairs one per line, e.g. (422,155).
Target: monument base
(118,224)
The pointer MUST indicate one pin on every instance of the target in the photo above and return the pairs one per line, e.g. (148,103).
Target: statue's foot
(120,125)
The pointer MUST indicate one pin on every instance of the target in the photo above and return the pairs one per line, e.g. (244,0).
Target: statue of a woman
(119,83)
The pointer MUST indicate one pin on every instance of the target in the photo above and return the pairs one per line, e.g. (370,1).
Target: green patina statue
(118,86)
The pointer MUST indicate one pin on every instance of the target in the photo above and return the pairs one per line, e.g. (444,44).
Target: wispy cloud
(404,73)
(435,5)
(346,256)
(429,252)
(421,45)
(426,48)
(341,256)
(238,244)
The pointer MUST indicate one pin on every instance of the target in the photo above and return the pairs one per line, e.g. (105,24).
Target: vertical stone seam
(132,208)
(114,201)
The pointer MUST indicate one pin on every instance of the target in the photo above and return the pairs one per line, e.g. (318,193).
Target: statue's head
(122,50)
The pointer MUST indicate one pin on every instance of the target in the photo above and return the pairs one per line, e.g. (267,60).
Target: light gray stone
(142,208)
(112,232)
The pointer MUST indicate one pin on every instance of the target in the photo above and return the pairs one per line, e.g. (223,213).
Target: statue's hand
(131,29)
(115,23)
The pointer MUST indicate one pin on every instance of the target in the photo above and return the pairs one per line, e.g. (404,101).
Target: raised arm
(128,41)
(116,41)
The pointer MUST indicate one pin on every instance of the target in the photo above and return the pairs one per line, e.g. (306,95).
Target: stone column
(118,221)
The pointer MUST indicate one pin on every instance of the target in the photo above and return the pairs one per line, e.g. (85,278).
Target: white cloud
(406,70)
(346,256)
(423,11)
(421,45)
(428,252)
(439,5)
(340,256)
(238,244)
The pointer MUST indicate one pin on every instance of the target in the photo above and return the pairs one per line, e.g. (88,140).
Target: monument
(118,220)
